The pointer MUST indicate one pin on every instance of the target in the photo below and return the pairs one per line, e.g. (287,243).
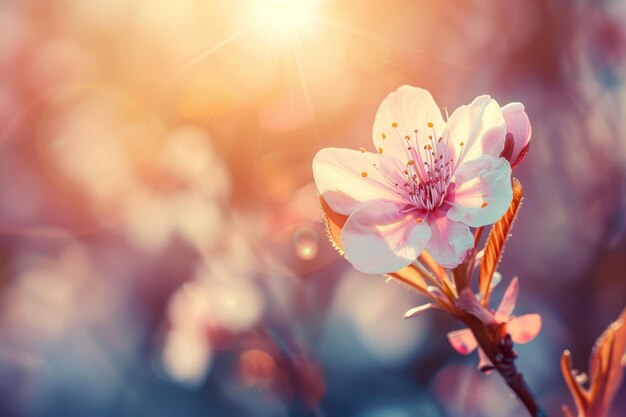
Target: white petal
(378,239)
(450,241)
(482,192)
(479,126)
(339,178)
(410,109)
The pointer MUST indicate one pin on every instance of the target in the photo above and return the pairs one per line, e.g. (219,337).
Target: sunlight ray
(295,45)
(181,69)
(380,40)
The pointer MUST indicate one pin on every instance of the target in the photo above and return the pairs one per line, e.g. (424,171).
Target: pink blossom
(522,329)
(427,183)
(518,132)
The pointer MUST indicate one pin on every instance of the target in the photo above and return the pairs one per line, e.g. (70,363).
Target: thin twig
(502,355)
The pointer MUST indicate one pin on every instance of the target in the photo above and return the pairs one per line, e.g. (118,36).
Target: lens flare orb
(305,243)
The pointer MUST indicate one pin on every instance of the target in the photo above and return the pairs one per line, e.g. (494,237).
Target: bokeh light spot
(256,368)
(305,242)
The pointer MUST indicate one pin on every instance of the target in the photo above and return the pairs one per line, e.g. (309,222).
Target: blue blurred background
(161,251)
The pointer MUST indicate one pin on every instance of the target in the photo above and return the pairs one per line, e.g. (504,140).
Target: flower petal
(524,328)
(416,311)
(482,192)
(392,169)
(479,127)
(505,310)
(339,176)
(468,302)
(378,238)
(463,341)
(400,114)
(450,241)
(518,133)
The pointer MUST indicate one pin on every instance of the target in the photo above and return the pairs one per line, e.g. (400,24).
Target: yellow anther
(394,124)
(380,150)
(383,136)
(483,205)
(362,150)
(461,144)
(364,174)
(430,147)
(419,220)
(411,162)
(407,137)
(430,124)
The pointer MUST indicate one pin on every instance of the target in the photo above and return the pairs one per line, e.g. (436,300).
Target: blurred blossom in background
(161,250)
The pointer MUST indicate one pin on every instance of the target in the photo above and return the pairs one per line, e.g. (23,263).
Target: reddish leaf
(334,223)
(579,393)
(606,371)
(494,247)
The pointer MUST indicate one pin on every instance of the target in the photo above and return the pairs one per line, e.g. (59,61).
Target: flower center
(429,193)
(423,182)
(426,189)
(428,171)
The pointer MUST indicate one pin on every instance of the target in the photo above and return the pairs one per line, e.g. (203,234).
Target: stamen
(380,150)
(426,176)
(362,150)
(434,135)
(406,151)
(421,172)
(459,156)
(483,205)
(364,174)
(390,184)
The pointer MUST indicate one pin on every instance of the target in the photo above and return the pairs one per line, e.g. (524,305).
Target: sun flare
(281,21)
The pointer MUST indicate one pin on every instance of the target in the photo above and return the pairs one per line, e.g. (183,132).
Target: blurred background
(161,251)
